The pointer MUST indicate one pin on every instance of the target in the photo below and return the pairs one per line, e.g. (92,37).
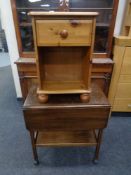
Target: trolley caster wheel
(36,162)
(95,161)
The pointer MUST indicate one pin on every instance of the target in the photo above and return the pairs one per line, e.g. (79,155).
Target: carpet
(16,153)
(4,59)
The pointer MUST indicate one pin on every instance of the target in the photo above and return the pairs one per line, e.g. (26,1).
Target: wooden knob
(64,33)
(75,22)
(43,98)
(85,97)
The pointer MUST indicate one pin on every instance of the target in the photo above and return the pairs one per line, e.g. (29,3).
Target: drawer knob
(64,34)
(75,22)
(129,105)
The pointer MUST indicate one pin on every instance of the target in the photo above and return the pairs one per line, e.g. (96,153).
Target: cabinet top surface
(97,99)
(52,13)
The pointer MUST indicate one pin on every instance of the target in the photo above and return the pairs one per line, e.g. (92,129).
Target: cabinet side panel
(118,59)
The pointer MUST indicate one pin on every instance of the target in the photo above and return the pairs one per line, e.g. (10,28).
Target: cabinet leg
(43,98)
(35,155)
(99,138)
(85,97)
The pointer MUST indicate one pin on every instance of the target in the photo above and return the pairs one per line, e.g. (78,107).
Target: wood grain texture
(123,90)
(101,69)
(62,138)
(63,87)
(120,90)
(125,78)
(63,69)
(123,41)
(49,33)
(97,99)
(39,75)
(122,104)
(126,65)
(118,58)
(63,8)
(99,61)
(66,121)
(69,113)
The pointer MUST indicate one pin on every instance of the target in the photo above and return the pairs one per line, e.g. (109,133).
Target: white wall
(8,26)
(7,21)
(119,18)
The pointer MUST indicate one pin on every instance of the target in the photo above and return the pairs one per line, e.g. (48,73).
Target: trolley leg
(99,138)
(36,161)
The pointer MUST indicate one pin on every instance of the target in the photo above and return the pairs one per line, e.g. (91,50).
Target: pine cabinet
(102,53)
(120,89)
(64,43)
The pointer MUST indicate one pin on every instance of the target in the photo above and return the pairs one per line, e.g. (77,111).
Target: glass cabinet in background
(104,27)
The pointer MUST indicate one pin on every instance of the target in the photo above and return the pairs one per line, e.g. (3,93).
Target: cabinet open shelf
(64,43)
(63,70)
(68,138)
(66,87)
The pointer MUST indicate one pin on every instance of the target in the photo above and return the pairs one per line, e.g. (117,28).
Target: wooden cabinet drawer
(122,105)
(126,66)
(123,90)
(125,79)
(70,120)
(64,32)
